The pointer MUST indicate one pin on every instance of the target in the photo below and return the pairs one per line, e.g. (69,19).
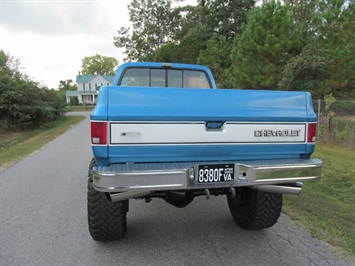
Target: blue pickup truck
(165,131)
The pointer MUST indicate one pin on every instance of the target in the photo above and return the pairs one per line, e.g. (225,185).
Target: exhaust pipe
(119,196)
(292,188)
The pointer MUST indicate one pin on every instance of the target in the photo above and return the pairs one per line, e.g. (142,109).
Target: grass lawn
(327,207)
(16,145)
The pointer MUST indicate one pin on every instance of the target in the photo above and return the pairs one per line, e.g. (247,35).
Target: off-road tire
(254,210)
(107,220)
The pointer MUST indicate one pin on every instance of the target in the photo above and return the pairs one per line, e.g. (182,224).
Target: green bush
(25,104)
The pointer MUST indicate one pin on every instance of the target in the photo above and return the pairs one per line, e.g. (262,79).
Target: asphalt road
(43,222)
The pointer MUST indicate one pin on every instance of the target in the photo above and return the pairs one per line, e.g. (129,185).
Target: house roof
(87,78)
(84,78)
(71,93)
(109,78)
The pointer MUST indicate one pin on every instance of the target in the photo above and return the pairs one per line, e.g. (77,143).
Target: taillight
(98,133)
(312,132)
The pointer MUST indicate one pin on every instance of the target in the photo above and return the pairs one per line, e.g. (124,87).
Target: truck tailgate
(167,125)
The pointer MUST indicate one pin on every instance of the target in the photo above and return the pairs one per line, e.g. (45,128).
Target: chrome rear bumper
(259,174)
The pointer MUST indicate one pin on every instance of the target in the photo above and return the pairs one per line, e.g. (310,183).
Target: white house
(89,85)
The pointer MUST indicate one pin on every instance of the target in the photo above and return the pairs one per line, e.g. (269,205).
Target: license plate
(213,173)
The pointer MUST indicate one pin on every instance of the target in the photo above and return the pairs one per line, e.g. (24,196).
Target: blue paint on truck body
(118,103)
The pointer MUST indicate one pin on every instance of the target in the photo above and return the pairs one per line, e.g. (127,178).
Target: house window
(89,86)
(83,86)
(87,98)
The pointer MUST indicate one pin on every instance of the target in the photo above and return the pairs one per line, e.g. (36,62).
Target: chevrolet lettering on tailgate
(277,133)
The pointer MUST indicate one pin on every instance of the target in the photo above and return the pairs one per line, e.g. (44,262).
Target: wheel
(253,209)
(107,220)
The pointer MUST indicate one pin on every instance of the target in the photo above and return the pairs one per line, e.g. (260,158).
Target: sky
(51,37)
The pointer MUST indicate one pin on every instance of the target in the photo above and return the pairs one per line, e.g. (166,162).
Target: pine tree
(269,39)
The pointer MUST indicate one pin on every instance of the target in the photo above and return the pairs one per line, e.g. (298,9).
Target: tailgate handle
(214,125)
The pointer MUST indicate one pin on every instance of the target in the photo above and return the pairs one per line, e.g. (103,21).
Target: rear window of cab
(165,78)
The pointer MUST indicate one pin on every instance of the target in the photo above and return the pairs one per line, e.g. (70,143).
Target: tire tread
(261,210)
(107,220)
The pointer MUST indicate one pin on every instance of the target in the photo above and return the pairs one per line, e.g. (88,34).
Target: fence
(336,122)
